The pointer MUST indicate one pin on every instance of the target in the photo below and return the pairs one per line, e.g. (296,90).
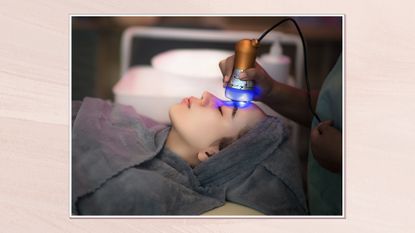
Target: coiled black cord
(305,59)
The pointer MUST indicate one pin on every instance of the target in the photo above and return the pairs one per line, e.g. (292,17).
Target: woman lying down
(126,164)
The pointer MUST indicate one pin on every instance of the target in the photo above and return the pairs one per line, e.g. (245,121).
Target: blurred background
(96,58)
(96,45)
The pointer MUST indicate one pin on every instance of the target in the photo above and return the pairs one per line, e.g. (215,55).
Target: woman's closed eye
(235,109)
(220,110)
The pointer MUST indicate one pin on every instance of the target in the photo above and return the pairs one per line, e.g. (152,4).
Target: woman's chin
(174,113)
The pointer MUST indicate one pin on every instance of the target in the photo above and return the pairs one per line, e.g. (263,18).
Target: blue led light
(239,98)
(242,104)
(237,104)
(239,95)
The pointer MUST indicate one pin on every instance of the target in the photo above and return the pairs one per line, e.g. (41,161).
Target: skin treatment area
(207,116)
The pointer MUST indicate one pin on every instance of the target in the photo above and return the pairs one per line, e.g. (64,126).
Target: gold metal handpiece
(245,53)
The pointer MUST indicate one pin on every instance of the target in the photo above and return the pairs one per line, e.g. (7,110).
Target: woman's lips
(186,101)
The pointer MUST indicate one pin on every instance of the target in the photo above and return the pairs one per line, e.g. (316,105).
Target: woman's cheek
(210,126)
(205,123)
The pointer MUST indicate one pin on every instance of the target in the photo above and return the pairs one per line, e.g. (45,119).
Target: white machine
(173,75)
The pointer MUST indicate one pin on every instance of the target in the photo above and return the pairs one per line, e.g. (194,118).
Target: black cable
(305,59)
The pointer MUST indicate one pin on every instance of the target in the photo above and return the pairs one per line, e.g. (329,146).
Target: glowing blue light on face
(239,95)
(239,98)
(242,104)
(237,104)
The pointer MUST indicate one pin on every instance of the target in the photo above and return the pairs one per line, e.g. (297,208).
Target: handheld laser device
(240,92)
(245,53)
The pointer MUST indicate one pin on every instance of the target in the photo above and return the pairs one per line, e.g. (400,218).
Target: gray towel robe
(121,167)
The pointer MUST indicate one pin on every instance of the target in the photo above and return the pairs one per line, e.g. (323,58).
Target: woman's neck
(176,143)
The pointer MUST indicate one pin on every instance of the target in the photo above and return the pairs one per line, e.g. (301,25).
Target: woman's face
(204,121)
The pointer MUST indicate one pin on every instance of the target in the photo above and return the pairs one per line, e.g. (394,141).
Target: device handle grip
(245,54)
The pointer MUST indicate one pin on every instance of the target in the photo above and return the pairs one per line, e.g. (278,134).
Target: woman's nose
(210,100)
(205,98)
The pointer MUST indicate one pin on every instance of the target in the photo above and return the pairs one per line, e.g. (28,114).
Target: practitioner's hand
(263,82)
(326,145)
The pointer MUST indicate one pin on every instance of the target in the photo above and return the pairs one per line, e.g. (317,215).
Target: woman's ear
(204,154)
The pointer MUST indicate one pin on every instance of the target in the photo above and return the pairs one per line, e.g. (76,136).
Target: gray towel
(121,167)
